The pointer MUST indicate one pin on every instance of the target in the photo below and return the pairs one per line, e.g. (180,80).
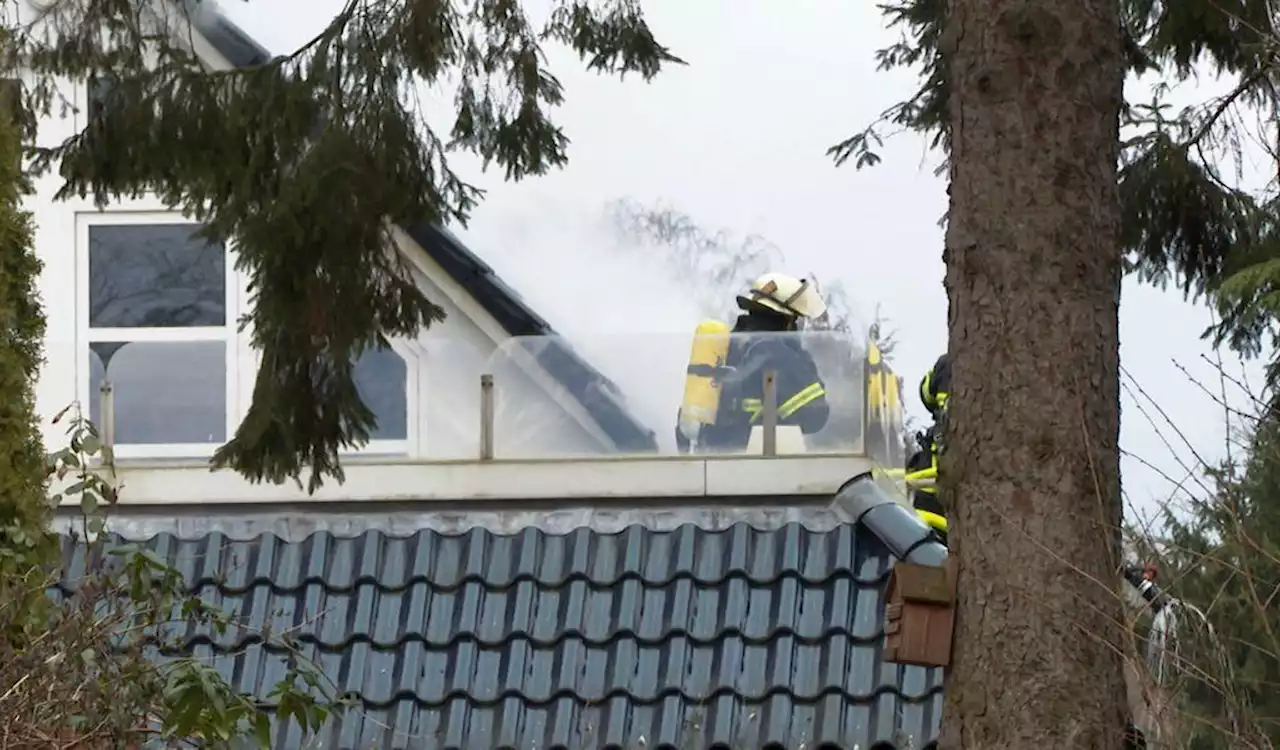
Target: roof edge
(298,526)
(231,41)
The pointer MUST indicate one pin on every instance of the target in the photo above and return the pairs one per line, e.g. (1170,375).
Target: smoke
(629,300)
(615,301)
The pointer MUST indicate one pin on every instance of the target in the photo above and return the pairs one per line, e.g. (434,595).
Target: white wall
(55,242)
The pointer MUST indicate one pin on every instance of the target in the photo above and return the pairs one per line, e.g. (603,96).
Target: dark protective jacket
(935,387)
(755,348)
(935,390)
(925,498)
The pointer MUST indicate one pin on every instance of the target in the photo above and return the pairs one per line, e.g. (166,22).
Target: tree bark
(1033,275)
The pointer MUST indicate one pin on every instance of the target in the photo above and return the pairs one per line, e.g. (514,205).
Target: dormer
(491,403)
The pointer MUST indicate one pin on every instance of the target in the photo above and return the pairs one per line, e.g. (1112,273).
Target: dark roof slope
(599,396)
(737,638)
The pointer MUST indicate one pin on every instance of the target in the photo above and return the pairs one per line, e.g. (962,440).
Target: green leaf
(89,503)
(91,444)
(262,730)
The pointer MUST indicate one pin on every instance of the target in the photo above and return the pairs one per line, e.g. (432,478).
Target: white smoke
(626,302)
(615,303)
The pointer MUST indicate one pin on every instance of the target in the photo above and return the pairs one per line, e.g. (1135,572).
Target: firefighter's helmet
(797,298)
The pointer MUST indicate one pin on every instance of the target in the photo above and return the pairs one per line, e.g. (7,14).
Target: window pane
(155,276)
(99,91)
(381,378)
(165,392)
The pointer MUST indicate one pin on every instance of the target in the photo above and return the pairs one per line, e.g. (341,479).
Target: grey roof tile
(746,637)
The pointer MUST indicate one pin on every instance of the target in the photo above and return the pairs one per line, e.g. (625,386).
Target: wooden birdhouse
(920,615)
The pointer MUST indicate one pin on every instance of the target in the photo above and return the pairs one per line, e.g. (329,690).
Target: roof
(640,633)
(599,396)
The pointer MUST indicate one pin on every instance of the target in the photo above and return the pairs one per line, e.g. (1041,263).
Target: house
(582,587)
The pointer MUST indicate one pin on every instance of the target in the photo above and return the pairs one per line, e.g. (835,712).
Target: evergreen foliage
(1225,559)
(75,666)
(24,507)
(302,162)
(1186,218)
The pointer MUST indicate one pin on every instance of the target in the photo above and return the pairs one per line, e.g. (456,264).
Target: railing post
(865,448)
(107,415)
(486,417)
(770,413)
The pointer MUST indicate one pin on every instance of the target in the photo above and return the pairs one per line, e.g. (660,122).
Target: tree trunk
(1033,276)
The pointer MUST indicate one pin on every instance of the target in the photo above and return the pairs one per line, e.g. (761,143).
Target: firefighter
(935,387)
(774,304)
(935,390)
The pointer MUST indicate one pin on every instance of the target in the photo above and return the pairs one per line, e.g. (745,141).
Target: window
(98,91)
(159,313)
(161,332)
(382,379)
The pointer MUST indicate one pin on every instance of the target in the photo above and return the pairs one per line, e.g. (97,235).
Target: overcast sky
(737,140)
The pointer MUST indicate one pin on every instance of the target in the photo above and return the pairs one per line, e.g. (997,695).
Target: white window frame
(414,373)
(242,359)
(87,335)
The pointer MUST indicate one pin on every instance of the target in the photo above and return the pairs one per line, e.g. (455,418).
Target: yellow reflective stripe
(806,396)
(922,475)
(933,520)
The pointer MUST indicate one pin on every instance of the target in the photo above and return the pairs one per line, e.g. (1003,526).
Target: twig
(13,688)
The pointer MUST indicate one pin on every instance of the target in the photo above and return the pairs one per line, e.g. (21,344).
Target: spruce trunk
(1033,276)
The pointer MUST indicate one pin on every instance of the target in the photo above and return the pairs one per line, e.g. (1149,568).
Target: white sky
(737,140)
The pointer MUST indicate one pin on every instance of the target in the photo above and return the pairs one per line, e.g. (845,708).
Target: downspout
(863,500)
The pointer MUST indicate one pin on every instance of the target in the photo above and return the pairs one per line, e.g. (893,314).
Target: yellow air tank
(701,388)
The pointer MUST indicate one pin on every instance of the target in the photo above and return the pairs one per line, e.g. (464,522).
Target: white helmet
(787,295)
